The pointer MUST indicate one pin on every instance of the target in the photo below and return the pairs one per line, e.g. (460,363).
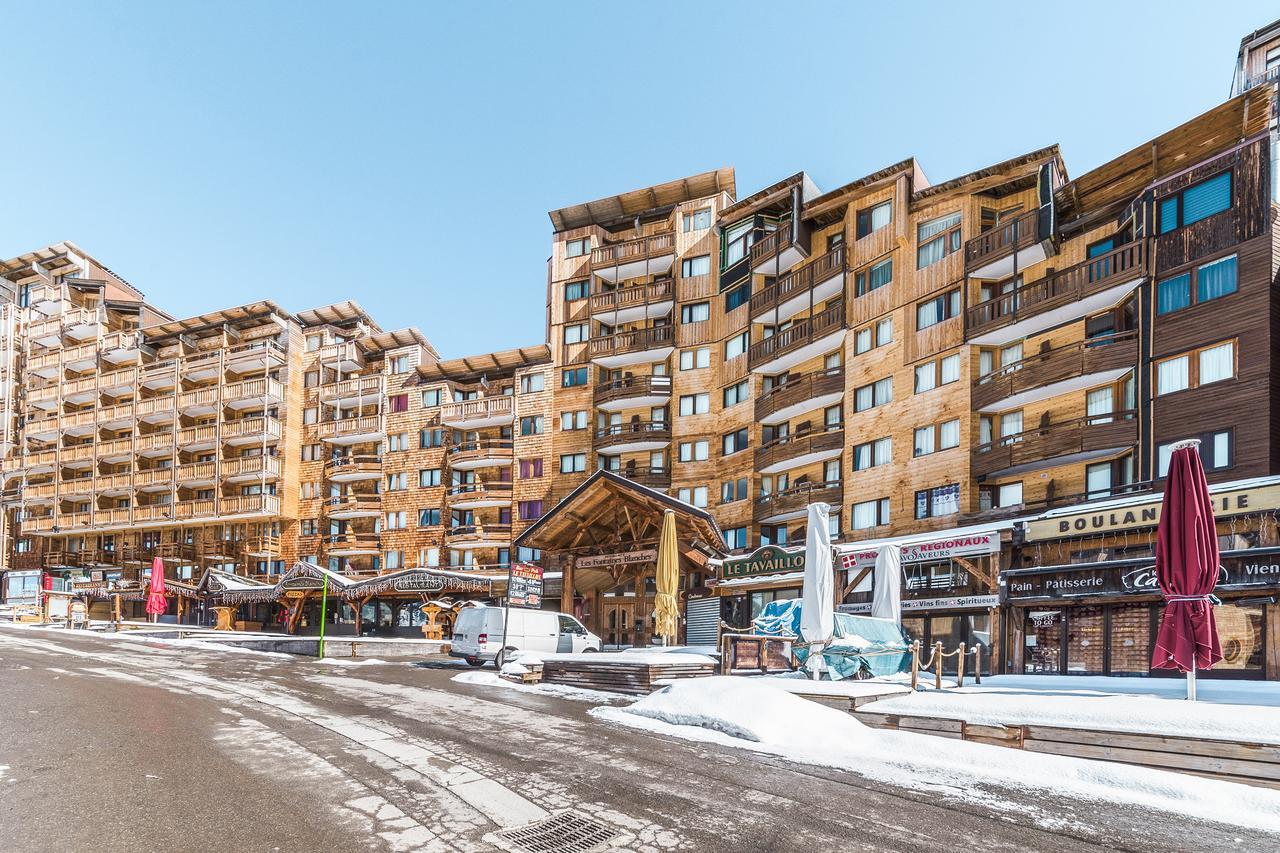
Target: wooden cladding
(1082,358)
(794,446)
(629,297)
(638,249)
(1041,445)
(481,408)
(798,389)
(1018,233)
(798,281)
(629,387)
(800,333)
(1060,287)
(635,340)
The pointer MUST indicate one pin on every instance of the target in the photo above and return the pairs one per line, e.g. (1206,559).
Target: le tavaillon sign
(769,560)
(1147,514)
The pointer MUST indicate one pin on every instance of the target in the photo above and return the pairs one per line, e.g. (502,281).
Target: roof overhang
(492,365)
(619,208)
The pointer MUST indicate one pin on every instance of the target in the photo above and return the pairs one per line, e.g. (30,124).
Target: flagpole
(324,603)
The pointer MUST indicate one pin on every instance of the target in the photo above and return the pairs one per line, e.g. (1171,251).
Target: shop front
(744,585)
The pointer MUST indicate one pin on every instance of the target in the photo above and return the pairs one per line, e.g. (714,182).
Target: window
(691,359)
(924,441)
(701,265)
(736,241)
(733,490)
(940,500)
(949,434)
(431,438)
(876,335)
(530,469)
(939,308)
(949,367)
(873,454)
(396,521)
(311,379)
(1201,367)
(399,403)
(428,517)
(1217,363)
(1097,480)
(396,482)
(1002,495)
(531,425)
(529,510)
(874,277)
(395,559)
(573,463)
(875,394)
(312,452)
(695,451)
(926,375)
(862,341)
(576,333)
(936,239)
(311,415)
(1214,279)
(734,441)
(695,404)
(884,331)
(531,383)
(1099,404)
(698,220)
(573,420)
(1215,452)
(428,477)
(737,393)
(577,248)
(870,514)
(738,297)
(735,538)
(573,377)
(696,496)
(874,217)
(401,364)
(695,312)
(1196,202)
(736,345)
(431,398)
(314,342)
(574,290)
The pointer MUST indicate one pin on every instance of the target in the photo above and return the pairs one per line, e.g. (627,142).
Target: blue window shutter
(1207,198)
(1168,214)
(1101,248)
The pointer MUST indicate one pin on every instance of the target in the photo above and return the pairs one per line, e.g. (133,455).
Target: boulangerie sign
(970,545)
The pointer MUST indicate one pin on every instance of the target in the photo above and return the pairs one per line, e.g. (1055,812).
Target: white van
(477,634)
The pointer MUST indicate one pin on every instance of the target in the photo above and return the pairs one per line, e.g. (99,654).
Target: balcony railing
(633,386)
(338,505)
(198,435)
(484,448)
(121,341)
(631,297)
(777,243)
(78,453)
(121,412)
(77,420)
(1105,352)
(155,406)
(494,489)
(80,354)
(654,246)
(1269,76)
(367,424)
(636,340)
(195,509)
(251,465)
(358,386)
(202,361)
(265,348)
(112,517)
(113,482)
(1018,233)
(1060,287)
(346,351)
(799,445)
(125,378)
(154,477)
(357,464)
(797,389)
(479,409)
(479,534)
(653,477)
(201,471)
(161,440)
(1041,445)
(254,388)
(259,427)
(799,334)
(113,447)
(796,499)
(633,432)
(1117,490)
(798,281)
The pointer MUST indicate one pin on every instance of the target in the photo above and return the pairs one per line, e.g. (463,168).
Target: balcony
(41,428)
(81,358)
(154,480)
(632,437)
(261,546)
(1060,297)
(658,479)
(1271,75)
(638,346)
(78,457)
(351,544)
(248,469)
(481,453)
(199,402)
(781,249)
(49,299)
(346,356)
(203,508)
(197,475)
(263,354)
(201,366)
(479,413)
(251,431)
(801,290)
(638,258)
(1052,444)
(118,383)
(480,536)
(77,423)
(80,392)
(793,503)
(990,255)
(43,493)
(156,513)
(480,494)
(39,523)
(1062,370)
(114,517)
(43,398)
(38,462)
(803,448)
(253,394)
(250,505)
(349,506)
(359,430)
(806,338)
(354,393)
(47,366)
(162,443)
(82,324)
(633,392)
(114,485)
(160,376)
(634,304)
(204,437)
(113,451)
(116,417)
(46,333)
(800,394)
(352,469)
(156,410)
(124,348)
(78,488)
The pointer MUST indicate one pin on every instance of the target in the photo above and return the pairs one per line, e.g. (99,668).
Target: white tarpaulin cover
(886,601)
(817,617)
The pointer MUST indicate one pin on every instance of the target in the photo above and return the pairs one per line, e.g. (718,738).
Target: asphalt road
(110,745)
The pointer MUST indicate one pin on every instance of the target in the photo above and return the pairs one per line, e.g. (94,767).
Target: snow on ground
(753,714)
(1147,706)
(564,691)
(802,685)
(351,661)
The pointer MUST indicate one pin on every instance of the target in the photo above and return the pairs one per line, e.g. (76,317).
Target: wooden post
(937,665)
(915,664)
(566,591)
(977,664)
(960,665)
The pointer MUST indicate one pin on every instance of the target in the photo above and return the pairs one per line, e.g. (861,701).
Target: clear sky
(406,154)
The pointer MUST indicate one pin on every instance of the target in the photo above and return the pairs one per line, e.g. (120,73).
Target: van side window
(569,625)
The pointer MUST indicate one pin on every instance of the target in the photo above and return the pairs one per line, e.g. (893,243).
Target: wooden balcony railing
(154,477)
(797,389)
(261,546)
(120,412)
(265,348)
(195,509)
(40,492)
(496,489)
(113,482)
(163,440)
(74,387)
(252,388)
(796,499)
(799,334)
(484,448)
(42,395)
(259,427)
(798,445)
(76,420)
(124,378)
(202,360)
(628,433)
(1019,233)
(1060,287)
(479,534)
(798,281)
(630,297)
(42,362)
(633,386)
(360,463)
(199,397)
(51,327)
(36,459)
(479,409)
(155,406)
(197,471)
(112,517)
(121,341)
(246,465)
(1050,441)
(112,447)
(654,246)
(82,353)
(636,340)
(1082,358)
(653,477)
(774,243)
(352,541)
(367,424)
(358,386)
(197,435)
(344,351)
(348,503)
(78,453)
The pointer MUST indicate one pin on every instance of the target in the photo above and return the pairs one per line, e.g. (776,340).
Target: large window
(574,290)
(700,265)
(940,500)
(940,308)
(737,393)
(872,454)
(876,394)
(870,514)
(694,451)
(737,242)
(577,248)
(691,359)
(574,376)
(695,312)
(874,218)
(1202,284)
(576,333)
(1199,201)
(1203,366)
(738,297)
(532,382)
(734,441)
(698,220)
(736,345)
(1215,452)
(531,425)
(573,463)
(695,404)
(874,277)
(937,238)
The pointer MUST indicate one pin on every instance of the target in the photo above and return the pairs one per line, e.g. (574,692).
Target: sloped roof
(636,202)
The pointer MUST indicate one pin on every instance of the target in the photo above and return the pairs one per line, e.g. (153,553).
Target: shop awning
(426,581)
(228,588)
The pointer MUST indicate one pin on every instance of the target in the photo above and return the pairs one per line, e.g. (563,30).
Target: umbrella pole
(1191,682)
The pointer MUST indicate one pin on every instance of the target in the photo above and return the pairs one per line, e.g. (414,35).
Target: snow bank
(636,656)
(350,661)
(801,684)
(492,679)
(753,714)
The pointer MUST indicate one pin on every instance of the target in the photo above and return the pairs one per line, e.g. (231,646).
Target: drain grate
(563,832)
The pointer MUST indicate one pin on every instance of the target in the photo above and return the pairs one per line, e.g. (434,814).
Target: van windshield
(569,625)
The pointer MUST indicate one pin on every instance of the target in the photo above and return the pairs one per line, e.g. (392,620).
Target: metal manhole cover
(563,832)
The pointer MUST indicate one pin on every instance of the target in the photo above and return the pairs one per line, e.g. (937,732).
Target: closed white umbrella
(886,598)
(817,616)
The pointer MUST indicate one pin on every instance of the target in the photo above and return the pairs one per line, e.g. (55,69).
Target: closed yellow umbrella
(665,612)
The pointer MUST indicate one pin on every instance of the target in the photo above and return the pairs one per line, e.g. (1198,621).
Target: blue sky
(406,154)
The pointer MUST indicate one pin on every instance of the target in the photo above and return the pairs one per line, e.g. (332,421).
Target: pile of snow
(710,652)
(579,694)
(632,656)
(751,713)
(350,661)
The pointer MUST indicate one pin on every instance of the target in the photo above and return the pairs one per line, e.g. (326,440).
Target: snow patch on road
(563,691)
(351,661)
(750,714)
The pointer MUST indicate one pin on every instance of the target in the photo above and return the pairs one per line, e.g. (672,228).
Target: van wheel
(474,661)
(589,650)
(501,658)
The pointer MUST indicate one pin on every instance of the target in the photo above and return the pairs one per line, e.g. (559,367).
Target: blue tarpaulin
(863,647)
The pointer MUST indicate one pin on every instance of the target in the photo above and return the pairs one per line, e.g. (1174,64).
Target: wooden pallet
(620,676)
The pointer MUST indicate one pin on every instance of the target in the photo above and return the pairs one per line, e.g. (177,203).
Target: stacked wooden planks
(620,676)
